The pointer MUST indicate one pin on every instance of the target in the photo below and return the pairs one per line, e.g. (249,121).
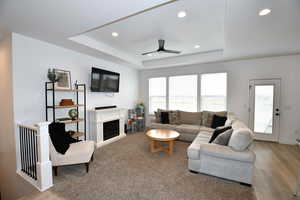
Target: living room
(182,57)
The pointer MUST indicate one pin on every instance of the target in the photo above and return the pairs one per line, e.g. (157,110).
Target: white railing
(33,163)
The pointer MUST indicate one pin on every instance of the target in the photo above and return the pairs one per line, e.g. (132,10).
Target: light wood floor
(277,170)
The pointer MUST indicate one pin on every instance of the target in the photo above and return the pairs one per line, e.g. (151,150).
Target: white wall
(24,63)
(31,60)
(239,73)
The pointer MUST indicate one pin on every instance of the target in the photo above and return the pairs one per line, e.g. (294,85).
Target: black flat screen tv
(104,81)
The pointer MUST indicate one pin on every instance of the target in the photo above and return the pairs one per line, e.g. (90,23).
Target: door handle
(277,114)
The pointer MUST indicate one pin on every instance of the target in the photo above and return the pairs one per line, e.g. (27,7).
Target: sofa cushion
(241,139)
(188,128)
(226,152)
(207,129)
(187,137)
(207,117)
(204,135)
(218,121)
(190,117)
(162,126)
(223,138)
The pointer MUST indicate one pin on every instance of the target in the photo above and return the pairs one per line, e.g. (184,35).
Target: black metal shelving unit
(79,88)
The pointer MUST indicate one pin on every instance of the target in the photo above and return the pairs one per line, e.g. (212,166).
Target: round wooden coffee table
(162,135)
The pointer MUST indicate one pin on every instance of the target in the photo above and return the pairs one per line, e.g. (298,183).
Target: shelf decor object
(80,92)
(73,114)
(52,76)
(66,102)
(64,79)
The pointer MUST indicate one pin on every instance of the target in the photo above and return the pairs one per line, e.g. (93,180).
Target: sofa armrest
(226,152)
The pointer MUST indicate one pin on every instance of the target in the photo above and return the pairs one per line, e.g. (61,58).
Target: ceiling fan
(161,49)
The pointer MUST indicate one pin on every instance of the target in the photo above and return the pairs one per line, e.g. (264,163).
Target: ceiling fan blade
(161,44)
(171,51)
(148,53)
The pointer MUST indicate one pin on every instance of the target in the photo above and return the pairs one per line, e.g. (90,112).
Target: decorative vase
(52,76)
(73,114)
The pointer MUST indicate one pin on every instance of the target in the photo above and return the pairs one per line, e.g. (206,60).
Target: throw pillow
(218,121)
(217,132)
(241,139)
(174,117)
(157,117)
(223,138)
(207,117)
(164,116)
(193,118)
(159,114)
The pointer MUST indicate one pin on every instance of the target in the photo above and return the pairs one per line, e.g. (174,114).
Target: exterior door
(265,109)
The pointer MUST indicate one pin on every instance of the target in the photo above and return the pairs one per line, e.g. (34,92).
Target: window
(183,93)
(213,91)
(157,94)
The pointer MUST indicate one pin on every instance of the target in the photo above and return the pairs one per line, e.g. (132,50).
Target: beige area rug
(127,170)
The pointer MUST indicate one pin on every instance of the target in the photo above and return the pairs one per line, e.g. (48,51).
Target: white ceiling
(55,21)
(228,29)
(140,33)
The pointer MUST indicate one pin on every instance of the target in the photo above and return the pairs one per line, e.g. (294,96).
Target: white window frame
(199,75)
(166,89)
(197,93)
(200,80)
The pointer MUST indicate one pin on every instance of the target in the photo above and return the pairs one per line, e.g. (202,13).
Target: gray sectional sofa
(234,162)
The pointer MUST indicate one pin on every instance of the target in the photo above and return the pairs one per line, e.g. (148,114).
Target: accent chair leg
(194,172)
(55,170)
(92,158)
(87,167)
(246,184)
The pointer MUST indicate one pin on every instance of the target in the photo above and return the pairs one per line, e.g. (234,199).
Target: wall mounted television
(104,81)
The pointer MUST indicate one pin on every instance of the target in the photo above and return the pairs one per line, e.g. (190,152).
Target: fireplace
(107,125)
(111,129)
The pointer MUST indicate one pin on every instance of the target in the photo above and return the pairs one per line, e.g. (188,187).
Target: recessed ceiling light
(149,54)
(181,14)
(197,46)
(115,34)
(264,12)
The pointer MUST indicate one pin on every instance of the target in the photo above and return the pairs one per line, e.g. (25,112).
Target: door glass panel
(263,112)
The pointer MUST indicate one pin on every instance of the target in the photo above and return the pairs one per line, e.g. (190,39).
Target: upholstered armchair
(65,150)
(78,153)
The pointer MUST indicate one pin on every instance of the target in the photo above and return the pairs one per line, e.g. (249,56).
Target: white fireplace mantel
(98,117)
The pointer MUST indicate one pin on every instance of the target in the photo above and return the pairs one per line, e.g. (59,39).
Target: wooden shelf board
(77,134)
(71,121)
(66,90)
(75,105)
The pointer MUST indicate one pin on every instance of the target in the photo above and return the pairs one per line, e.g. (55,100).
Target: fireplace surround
(107,125)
